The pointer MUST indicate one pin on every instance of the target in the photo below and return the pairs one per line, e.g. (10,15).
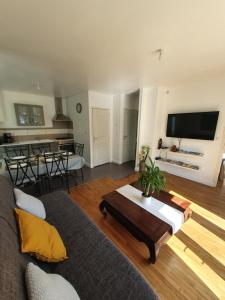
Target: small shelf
(188,153)
(179,164)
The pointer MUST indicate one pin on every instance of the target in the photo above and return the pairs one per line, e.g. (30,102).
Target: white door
(130,134)
(101,136)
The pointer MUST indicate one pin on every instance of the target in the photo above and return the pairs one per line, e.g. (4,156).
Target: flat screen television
(197,125)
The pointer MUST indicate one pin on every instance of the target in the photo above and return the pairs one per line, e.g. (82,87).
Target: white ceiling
(107,45)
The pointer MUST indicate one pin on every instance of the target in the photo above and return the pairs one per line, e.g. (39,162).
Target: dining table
(75,162)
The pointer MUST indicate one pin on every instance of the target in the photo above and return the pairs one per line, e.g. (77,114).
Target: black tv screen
(200,125)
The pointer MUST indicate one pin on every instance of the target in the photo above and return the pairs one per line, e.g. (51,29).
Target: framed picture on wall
(29,115)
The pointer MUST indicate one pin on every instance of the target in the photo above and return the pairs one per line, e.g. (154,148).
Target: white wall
(2,112)
(80,122)
(202,96)
(100,100)
(146,119)
(8,116)
(131,101)
(11,97)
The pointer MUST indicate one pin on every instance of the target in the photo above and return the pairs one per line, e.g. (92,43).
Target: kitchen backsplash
(34,134)
(59,129)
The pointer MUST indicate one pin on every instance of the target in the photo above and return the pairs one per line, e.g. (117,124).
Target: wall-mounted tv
(197,125)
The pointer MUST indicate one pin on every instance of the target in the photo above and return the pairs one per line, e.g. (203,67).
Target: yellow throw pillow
(39,238)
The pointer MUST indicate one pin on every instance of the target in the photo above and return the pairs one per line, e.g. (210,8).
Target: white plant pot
(148,199)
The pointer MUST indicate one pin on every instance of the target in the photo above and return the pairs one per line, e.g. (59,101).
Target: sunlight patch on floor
(207,240)
(209,216)
(213,281)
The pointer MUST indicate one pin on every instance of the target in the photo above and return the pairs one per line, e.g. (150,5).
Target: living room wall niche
(196,97)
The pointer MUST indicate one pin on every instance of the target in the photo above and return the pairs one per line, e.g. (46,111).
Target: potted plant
(151,179)
(145,149)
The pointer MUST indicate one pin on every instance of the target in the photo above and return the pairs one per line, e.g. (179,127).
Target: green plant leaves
(152,179)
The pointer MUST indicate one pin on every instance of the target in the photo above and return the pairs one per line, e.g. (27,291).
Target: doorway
(101,136)
(130,134)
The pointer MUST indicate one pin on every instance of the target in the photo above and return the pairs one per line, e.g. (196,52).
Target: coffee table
(144,226)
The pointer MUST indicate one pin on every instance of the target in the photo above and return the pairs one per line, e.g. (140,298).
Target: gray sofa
(95,267)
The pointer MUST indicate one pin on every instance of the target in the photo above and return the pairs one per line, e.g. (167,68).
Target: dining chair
(79,150)
(40,148)
(56,167)
(23,171)
(15,151)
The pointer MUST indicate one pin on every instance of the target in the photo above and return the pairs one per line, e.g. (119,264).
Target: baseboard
(87,164)
(117,162)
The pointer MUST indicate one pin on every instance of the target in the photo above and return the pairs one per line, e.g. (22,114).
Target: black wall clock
(79,108)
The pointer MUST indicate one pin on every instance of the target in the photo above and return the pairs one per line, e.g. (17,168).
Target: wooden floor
(192,264)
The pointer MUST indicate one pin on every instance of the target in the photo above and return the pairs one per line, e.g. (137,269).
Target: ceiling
(64,47)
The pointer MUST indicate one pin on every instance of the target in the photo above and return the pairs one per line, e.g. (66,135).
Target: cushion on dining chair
(16,166)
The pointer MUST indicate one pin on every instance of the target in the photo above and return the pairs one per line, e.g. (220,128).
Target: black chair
(57,166)
(20,150)
(40,148)
(24,171)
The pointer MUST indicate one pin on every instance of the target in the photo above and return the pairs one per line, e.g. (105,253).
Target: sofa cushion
(96,268)
(12,261)
(40,238)
(42,285)
(29,204)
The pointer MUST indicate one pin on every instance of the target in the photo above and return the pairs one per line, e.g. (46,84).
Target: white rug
(166,213)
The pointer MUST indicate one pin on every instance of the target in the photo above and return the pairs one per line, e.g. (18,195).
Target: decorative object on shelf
(152,179)
(163,152)
(179,143)
(7,137)
(160,143)
(193,153)
(174,148)
(79,108)
(145,149)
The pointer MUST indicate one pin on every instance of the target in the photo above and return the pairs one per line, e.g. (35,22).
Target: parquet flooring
(192,264)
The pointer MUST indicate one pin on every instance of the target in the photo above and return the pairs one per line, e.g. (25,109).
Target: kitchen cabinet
(29,115)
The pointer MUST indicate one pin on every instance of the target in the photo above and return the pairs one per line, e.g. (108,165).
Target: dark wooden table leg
(103,208)
(153,250)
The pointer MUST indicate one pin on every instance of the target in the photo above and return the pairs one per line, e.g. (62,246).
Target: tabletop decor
(151,179)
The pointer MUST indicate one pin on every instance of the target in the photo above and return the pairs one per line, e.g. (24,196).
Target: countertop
(29,142)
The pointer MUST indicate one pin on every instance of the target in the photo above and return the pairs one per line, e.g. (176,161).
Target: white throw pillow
(29,204)
(44,286)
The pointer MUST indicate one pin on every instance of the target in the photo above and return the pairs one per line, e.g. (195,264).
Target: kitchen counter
(29,142)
